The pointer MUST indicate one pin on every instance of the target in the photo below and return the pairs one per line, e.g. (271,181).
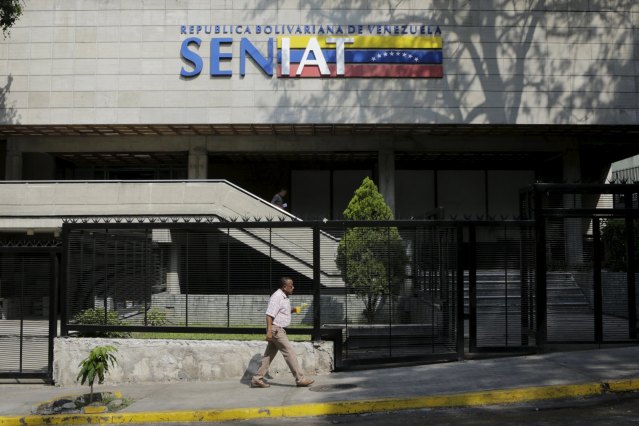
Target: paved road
(609,410)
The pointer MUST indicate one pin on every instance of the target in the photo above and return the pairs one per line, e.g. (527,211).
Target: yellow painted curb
(502,396)
(94,409)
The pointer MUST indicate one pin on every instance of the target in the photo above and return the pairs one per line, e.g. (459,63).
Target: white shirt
(279,307)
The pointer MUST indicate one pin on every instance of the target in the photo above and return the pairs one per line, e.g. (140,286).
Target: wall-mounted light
(30,231)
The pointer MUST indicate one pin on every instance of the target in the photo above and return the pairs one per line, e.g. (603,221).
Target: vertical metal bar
(472,285)
(228,277)
(270,259)
(523,283)
(116,267)
(436,192)
(186,284)
(64,330)
(389,279)
(93,267)
(436,242)
(540,300)
(596,280)
(22,260)
(345,229)
(507,319)
(106,277)
(460,293)
(317,313)
(53,317)
(486,199)
(146,270)
(631,269)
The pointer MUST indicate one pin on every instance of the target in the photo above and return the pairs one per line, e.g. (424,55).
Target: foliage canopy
(10,11)
(96,365)
(372,259)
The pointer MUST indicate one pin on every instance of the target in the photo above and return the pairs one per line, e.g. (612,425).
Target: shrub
(156,317)
(95,316)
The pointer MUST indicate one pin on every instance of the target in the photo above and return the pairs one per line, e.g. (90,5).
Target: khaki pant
(280,343)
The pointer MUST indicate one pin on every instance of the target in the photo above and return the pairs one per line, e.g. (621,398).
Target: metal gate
(500,284)
(28,282)
(588,239)
(414,314)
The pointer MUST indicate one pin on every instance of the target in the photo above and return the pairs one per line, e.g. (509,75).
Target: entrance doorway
(319,185)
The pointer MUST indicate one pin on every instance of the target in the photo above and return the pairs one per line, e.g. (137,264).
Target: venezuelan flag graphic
(360,56)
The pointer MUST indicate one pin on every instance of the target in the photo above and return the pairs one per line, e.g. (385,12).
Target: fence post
(472,286)
(596,279)
(540,302)
(316,335)
(460,293)
(53,312)
(64,276)
(631,267)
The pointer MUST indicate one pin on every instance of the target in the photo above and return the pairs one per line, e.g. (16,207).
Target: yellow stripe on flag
(369,42)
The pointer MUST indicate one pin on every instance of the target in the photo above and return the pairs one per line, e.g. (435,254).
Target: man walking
(278,317)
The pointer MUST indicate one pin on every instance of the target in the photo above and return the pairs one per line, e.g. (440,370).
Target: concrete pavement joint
(492,397)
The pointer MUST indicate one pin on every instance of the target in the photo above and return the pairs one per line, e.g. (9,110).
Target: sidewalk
(477,382)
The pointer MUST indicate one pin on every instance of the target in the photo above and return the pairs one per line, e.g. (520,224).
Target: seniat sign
(336,55)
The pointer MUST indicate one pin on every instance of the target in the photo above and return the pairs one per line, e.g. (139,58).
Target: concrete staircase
(496,287)
(40,207)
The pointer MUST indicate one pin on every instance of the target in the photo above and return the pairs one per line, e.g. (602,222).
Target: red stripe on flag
(374,70)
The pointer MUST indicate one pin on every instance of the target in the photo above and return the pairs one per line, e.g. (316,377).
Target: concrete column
(574,228)
(386,163)
(13,165)
(198,159)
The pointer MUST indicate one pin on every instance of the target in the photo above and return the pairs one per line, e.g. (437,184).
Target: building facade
(510,92)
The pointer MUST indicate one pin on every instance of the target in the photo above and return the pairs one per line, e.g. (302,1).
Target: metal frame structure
(318,228)
(52,248)
(535,204)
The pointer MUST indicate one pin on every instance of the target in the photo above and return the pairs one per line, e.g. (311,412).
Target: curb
(493,397)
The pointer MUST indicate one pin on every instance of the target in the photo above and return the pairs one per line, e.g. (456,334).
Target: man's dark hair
(284,280)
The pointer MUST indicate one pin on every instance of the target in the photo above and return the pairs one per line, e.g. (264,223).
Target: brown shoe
(304,383)
(259,384)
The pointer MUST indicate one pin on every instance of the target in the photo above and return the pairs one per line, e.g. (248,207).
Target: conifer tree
(372,259)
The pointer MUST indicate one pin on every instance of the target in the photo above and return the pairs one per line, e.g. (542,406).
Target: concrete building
(186,89)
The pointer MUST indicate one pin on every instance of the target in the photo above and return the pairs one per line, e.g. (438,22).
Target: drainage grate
(332,388)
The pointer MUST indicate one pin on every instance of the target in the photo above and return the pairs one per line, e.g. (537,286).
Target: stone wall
(164,361)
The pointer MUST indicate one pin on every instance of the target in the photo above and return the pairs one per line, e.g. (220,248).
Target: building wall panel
(505,62)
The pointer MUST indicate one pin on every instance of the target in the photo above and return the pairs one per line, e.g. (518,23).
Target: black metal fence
(381,290)
(587,261)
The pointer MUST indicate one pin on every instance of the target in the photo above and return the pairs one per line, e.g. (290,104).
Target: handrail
(160,181)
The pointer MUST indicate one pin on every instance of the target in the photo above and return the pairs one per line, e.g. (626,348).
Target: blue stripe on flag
(391,56)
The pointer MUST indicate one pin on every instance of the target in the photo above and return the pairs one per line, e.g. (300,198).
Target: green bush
(95,316)
(372,259)
(156,317)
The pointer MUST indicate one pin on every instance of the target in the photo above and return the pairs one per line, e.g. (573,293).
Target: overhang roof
(304,129)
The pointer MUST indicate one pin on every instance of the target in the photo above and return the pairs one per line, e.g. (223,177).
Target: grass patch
(214,336)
